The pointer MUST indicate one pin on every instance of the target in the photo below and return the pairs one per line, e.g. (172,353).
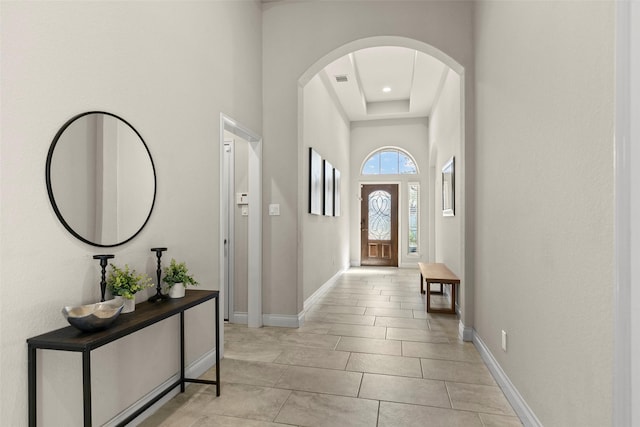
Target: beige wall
(325,239)
(296,35)
(544,202)
(169,68)
(412,136)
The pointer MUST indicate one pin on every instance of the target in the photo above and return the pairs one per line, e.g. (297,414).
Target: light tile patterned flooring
(367,355)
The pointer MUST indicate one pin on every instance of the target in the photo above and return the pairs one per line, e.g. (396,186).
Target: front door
(379,225)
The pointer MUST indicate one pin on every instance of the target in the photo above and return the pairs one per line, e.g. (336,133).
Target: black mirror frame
(50,188)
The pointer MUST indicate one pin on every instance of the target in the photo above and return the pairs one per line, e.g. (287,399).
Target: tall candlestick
(103,264)
(158,296)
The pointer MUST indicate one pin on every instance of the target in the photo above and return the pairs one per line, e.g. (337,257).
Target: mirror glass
(101,179)
(448,188)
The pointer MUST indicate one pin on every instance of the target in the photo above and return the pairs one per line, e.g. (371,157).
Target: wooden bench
(438,273)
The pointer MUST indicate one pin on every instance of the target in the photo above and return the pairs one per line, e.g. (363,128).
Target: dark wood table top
(145,314)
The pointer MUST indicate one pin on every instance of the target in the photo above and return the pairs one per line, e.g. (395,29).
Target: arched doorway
(451,249)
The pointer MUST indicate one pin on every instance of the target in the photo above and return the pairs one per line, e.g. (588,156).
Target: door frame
(395,256)
(401,239)
(254,254)
(626,320)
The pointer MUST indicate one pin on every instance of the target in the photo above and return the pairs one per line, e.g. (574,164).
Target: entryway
(248,204)
(379,225)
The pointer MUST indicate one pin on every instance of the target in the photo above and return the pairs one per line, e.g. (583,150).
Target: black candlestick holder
(103,263)
(158,296)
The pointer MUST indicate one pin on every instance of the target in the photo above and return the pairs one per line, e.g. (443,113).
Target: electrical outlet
(504,340)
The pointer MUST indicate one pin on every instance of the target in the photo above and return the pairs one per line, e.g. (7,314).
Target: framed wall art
(336,192)
(315,182)
(328,188)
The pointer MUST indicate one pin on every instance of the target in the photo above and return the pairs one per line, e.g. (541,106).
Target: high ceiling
(385,82)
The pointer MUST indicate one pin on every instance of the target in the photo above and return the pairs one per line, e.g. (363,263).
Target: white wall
(169,68)
(325,239)
(544,202)
(445,142)
(412,136)
(296,35)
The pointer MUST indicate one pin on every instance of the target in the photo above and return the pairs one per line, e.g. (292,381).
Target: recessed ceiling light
(386,89)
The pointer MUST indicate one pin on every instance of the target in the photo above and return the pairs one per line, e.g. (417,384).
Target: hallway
(367,355)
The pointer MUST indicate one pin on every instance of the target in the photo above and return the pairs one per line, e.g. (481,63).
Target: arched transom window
(389,161)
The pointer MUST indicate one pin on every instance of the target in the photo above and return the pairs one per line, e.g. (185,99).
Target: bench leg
(453,298)
(421,284)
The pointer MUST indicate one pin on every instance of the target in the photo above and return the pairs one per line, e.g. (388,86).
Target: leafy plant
(125,282)
(177,272)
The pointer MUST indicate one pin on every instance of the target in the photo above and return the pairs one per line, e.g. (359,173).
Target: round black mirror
(101,179)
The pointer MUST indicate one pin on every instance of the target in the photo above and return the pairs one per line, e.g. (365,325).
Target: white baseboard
(283,320)
(512,394)
(410,265)
(240,317)
(194,370)
(322,290)
(292,320)
(464,332)
(318,294)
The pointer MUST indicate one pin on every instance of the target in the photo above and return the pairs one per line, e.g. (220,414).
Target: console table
(145,314)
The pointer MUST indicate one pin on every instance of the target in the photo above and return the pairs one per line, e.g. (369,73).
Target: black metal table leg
(182,352)
(69,339)
(217,347)
(86,386)
(32,386)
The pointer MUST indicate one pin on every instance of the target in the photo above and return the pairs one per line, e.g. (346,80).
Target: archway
(459,246)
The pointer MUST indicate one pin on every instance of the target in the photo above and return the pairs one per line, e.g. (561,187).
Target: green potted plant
(177,278)
(124,283)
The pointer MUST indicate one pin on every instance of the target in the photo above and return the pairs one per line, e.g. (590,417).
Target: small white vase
(177,290)
(129,304)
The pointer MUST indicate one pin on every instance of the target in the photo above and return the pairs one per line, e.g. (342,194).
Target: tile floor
(367,355)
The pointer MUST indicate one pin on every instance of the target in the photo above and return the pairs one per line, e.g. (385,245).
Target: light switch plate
(274,210)
(242,198)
